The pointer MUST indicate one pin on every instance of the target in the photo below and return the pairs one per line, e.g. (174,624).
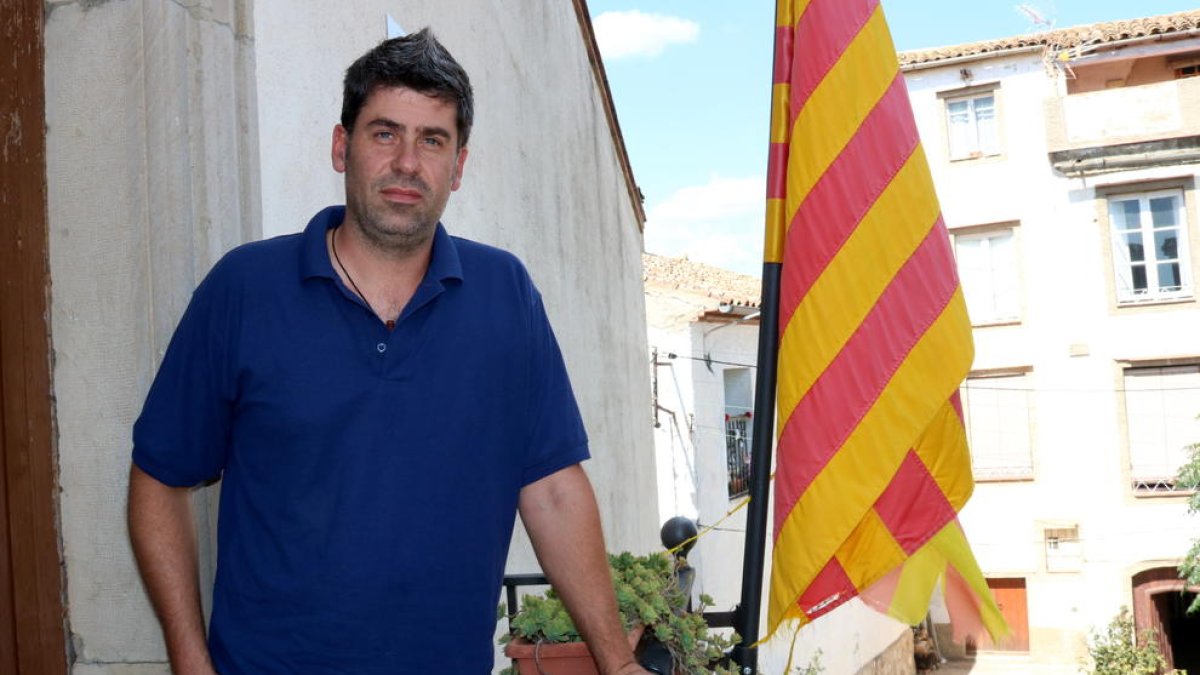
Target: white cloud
(633,33)
(719,223)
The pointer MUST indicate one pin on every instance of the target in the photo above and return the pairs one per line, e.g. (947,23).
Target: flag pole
(762,444)
(745,653)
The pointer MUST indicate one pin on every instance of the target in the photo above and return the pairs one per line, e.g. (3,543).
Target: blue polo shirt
(369,478)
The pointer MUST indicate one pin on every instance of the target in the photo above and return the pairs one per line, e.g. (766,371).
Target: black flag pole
(745,653)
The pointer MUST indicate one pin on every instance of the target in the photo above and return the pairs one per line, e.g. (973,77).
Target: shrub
(1116,652)
(648,593)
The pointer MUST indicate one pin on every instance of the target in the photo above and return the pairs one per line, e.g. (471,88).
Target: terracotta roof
(698,279)
(1063,38)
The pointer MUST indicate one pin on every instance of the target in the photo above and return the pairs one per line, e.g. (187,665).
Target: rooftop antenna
(1037,17)
(1054,56)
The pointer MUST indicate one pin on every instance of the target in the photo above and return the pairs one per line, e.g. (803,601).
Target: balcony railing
(737,453)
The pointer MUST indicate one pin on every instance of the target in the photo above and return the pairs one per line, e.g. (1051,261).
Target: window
(971,124)
(996,410)
(1186,71)
(1185,65)
(1063,550)
(987,265)
(1161,404)
(1150,248)
(739,401)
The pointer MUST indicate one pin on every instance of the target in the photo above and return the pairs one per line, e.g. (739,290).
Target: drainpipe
(1141,160)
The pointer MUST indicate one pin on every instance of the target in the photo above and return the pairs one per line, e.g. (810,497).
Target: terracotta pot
(557,658)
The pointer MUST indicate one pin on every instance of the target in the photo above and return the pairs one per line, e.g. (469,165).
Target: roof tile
(1063,38)
(694,278)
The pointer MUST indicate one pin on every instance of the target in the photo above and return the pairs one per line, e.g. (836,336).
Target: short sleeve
(182,434)
(557,435)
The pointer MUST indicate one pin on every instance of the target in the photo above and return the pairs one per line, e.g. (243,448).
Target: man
(379,399)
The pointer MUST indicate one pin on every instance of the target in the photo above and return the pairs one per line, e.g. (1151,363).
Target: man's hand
(632,669)
(164,543)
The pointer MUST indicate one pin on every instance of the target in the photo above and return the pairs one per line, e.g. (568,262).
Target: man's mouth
(402,195)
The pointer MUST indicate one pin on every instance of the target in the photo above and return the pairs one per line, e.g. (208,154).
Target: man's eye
(433,141)
(384,135)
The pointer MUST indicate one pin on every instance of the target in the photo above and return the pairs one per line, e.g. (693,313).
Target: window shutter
(1161,405)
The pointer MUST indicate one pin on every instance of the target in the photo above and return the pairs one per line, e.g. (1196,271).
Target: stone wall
(149,108)
(897,659)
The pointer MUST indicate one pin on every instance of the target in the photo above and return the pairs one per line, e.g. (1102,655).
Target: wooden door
(31,607)
(1010,596)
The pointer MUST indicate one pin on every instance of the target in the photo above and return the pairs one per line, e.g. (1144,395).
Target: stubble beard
(394,229)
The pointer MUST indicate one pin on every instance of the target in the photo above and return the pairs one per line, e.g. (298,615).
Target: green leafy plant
(647,593)
(1189,479)
(544,619)
(1117,652)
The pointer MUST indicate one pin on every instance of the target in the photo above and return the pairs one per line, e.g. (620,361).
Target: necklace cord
(333,245)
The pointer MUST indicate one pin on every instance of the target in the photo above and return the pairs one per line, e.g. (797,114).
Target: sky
(691,81)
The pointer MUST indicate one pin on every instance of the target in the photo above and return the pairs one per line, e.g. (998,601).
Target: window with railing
(996,411)
(739,401)
(737,453)
(1161,404)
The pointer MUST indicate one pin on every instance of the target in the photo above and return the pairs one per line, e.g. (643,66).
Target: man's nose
(405,160)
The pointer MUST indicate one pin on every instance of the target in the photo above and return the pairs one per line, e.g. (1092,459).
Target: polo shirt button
(381,347)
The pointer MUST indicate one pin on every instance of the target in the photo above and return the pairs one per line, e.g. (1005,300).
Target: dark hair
(418,62)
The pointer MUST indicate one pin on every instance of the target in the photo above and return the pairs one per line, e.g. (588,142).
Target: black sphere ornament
(676,531)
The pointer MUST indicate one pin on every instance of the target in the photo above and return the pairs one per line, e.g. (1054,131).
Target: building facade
(147,138)
(1066,165)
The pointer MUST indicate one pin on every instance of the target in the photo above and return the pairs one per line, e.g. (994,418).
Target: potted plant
(652,608)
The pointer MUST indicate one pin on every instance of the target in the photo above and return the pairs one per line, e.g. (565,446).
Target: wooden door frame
(32,619)
(1146,585)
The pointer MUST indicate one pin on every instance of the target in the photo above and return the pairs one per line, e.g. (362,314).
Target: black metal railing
(737,453)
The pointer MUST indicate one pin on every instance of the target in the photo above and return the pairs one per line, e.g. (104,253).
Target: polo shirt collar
(444,262)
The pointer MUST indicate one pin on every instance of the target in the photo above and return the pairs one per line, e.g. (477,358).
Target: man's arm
(560,514)
(164,542)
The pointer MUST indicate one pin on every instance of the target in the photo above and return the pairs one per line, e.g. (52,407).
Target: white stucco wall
(690,445)
(717,556)
(675,444)
(155,110)
(148,183)
(1075,340)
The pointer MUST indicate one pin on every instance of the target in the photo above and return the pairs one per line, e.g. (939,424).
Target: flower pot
(557,658)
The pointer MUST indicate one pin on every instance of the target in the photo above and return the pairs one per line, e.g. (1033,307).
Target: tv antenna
(1036,16)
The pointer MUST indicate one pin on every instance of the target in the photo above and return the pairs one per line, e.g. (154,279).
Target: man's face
(401,162)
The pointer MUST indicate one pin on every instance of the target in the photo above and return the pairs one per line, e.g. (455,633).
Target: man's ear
(340,148)
(458,168)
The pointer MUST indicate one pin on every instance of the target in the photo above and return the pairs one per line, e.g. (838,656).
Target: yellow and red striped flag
(873,465)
